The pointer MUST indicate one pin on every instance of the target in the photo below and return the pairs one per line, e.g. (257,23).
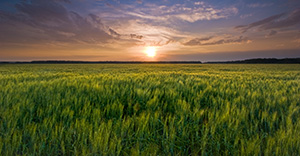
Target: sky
(125,30)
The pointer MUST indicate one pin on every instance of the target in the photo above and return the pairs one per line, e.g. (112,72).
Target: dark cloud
(245,28)
(216,41)
(47,20)
(271,33)
(135,36)
(292,19)
(198,41)
(113,33)
(277,21)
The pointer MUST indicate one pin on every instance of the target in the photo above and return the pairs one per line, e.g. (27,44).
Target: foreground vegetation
(150,109)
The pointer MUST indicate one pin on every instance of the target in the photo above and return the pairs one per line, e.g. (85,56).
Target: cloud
(43,12)
(136,36)
(245,16)
(162,42)
(113,33)
(278,21)
(198,41)
(51,21)
(47,21)
(183,12)
(199,3)
(291,19)
(217,40)
(245,28)
(259,5)
(271,33)
(153,24)
(146,34)
(206,14)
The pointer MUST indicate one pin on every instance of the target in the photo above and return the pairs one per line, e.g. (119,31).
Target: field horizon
(295,60)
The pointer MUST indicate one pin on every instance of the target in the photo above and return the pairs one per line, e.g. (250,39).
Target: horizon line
(251,60)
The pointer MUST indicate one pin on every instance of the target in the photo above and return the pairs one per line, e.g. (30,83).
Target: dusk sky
(148,30)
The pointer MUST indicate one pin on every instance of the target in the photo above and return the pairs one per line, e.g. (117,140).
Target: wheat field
(149,109)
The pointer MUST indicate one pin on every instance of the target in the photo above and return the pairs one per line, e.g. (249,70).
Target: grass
(149,109)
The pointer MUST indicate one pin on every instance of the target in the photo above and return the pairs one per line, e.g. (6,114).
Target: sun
(150,51)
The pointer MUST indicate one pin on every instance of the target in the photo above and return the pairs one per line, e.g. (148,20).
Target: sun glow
(150,51)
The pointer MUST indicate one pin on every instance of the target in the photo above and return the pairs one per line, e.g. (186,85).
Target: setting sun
(150,51)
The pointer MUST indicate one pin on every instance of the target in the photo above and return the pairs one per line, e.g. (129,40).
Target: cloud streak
(278,21)
(217,40)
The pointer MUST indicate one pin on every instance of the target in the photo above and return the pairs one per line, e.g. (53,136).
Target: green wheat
(149,109)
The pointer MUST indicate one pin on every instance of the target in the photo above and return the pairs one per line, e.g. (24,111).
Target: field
(148,109)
